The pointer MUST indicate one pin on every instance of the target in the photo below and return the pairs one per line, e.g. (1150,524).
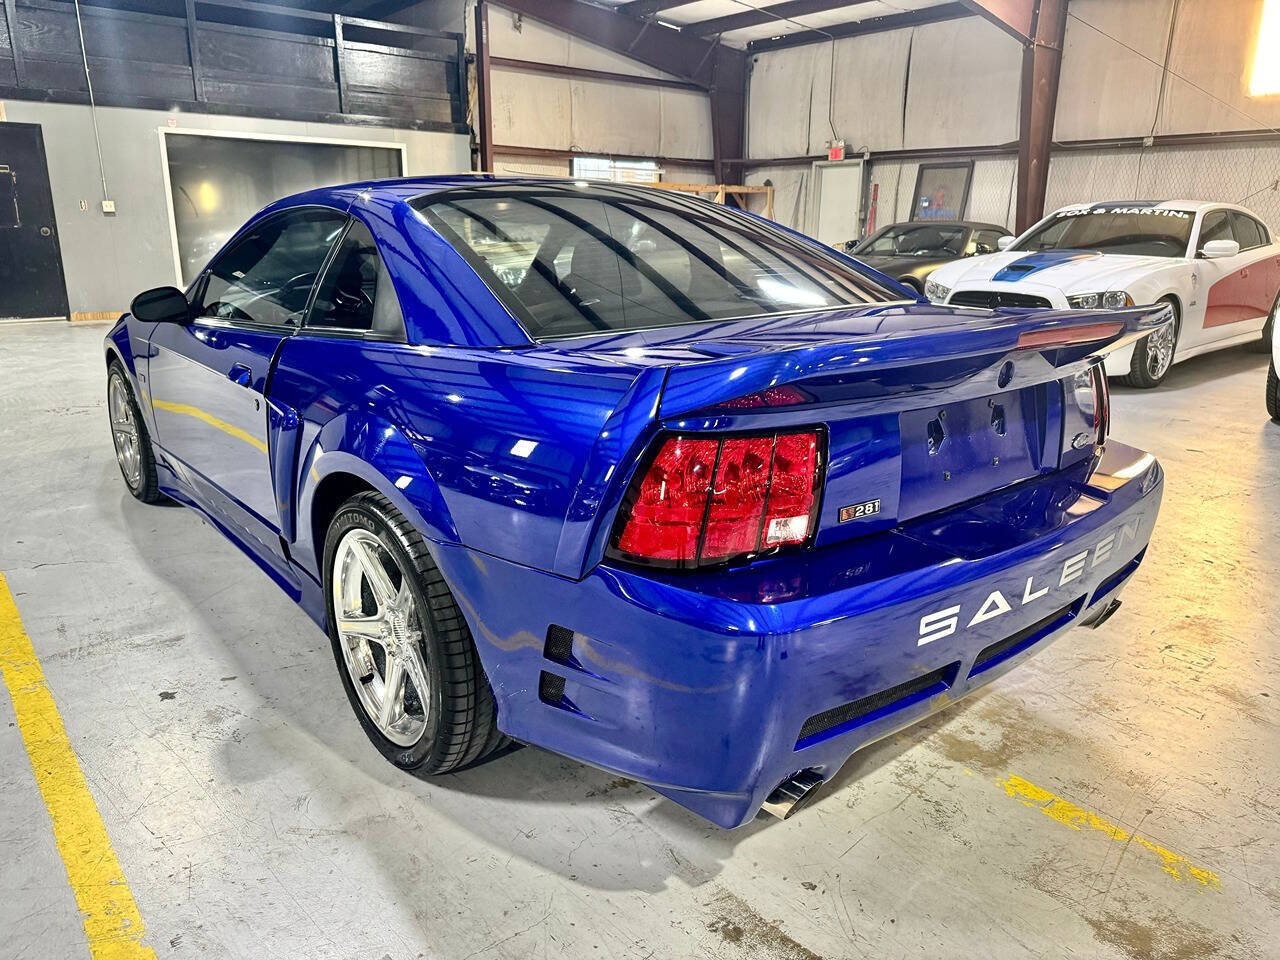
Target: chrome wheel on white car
(1153,355)
(381,638)
(1160,352)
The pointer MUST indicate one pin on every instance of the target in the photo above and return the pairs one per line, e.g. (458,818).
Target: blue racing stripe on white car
(1025,266)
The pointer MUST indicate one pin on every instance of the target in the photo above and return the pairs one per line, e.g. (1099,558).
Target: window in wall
(217,183)
(1266,58)
(617,171)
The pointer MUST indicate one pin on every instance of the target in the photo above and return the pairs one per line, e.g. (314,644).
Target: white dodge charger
(1216,263)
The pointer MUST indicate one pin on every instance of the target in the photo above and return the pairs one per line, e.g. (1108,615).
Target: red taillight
(671,502)
(764,495)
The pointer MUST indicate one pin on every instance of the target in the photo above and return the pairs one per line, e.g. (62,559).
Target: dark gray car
(909,252)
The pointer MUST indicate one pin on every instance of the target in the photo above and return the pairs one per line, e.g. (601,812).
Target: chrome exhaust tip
(792,794)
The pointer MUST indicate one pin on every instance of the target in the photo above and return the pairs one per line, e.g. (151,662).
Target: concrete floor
(1068,811)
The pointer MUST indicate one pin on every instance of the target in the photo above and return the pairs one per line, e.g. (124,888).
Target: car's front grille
(991,299)
(845,714)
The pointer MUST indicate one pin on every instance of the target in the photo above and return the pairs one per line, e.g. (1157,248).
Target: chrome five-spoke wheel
(380,635)
(1160,351)
(124,431)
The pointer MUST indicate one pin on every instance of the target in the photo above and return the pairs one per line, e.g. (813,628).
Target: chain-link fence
(1244,173)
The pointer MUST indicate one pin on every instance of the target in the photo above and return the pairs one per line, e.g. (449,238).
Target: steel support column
(1041,70)
(484,90)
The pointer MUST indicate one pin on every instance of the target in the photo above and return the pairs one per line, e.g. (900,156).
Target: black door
(31,282)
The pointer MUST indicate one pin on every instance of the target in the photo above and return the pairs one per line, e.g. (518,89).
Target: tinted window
(267,275)
(1216,226)
(1140,231)
(918,240)
(1247,231)
(571,260)
(988,240)
(356,292)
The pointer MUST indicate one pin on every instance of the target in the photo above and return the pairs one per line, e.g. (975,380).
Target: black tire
(1273,392)
(912,283)
(461,719)
(145,486)
(1263,343)
(1140,375)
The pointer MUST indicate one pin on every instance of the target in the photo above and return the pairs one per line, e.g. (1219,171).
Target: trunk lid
(922,407)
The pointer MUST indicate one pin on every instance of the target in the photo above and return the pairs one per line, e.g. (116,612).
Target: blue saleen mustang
(643,480)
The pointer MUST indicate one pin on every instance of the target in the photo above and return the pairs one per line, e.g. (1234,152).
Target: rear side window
(570,260)
(356,292)
(1248,231)
(266,276)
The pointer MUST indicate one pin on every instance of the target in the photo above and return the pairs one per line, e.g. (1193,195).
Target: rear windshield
(571,258)
(1141,231)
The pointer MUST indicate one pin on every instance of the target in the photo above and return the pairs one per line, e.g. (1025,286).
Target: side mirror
(161,305)
(1004,243)
(1217,249)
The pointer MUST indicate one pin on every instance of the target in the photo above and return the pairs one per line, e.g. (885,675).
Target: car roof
(402,189)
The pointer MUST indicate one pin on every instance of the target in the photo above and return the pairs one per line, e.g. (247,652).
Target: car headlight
(936,292)
(1111,300)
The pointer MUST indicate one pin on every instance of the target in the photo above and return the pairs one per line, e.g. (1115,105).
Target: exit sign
(835,150)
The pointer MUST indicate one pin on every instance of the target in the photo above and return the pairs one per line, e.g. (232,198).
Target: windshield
(917,240)
(568,260)
(1140,231)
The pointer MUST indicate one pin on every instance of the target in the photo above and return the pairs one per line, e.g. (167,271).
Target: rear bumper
(715,687)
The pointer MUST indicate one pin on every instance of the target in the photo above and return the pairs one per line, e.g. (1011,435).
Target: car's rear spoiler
(1060,340)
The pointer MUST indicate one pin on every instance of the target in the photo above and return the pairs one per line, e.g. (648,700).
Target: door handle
(1244,274)
(240,373)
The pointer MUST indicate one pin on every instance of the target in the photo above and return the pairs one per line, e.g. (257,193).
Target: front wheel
(404,652)
(1153,355)
(129,435)
(1273,392)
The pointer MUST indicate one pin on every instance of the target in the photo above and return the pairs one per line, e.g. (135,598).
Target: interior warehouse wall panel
(1107,90)
(108,259)
(584,115)
(950,84)
(1231,173)
(964,86)
(1214,47)
(790,193)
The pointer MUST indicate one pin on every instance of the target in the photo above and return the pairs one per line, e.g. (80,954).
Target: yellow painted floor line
(1078,818)
(112,923)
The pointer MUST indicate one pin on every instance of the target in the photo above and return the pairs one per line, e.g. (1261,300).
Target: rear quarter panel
(476,447)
